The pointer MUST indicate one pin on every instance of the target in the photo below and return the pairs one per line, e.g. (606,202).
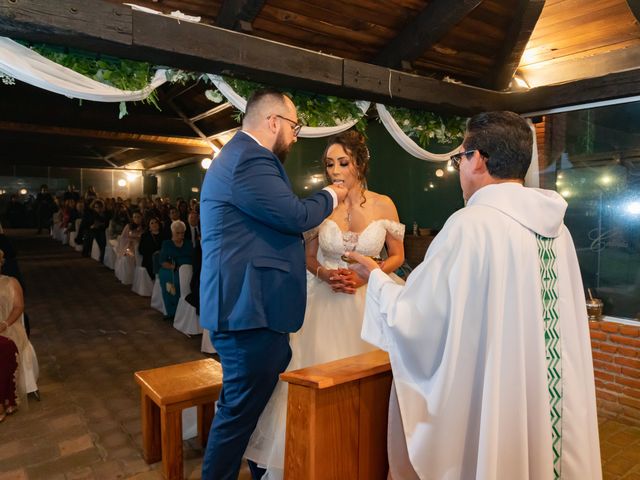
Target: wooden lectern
(337,419)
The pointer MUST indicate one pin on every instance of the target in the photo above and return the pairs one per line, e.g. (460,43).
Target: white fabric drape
(532,178)
(406,143)
(30,67)
(306,132)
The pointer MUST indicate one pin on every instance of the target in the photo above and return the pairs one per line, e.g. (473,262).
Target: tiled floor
(91,333)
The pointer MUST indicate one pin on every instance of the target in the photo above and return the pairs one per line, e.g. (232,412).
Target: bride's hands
(345,281)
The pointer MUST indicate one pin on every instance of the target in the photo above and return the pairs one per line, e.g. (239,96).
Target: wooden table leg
(150,414)
(205,418)
(171,432)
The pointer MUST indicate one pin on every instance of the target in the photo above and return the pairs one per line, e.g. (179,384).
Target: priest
(489,339)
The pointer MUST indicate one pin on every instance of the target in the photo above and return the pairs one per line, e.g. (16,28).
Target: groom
(253,288)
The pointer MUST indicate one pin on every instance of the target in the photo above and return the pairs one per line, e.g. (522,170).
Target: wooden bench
(337,419)
(165,392)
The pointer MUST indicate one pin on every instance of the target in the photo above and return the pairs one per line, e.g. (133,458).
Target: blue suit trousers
(251,362)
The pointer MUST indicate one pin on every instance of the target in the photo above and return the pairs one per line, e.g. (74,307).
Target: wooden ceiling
(452,56)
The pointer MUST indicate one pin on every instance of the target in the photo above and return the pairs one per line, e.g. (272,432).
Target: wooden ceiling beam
(211,112)
(598,89)
(434,22)
(116,30)
(27,131)
(232,12)
(634,6)
(191,124)
(162,40)
(524,21)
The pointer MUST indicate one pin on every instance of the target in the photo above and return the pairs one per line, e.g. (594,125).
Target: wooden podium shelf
(337,419)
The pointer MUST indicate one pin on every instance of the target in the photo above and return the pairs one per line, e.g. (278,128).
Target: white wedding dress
(331,330)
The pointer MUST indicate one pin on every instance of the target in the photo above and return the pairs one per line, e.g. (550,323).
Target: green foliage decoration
(314,110)
(425,128)
(112,71)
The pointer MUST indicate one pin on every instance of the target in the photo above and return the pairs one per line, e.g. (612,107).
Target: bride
(366,221)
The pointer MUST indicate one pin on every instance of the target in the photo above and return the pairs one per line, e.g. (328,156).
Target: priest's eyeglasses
(295,126)
(457,158)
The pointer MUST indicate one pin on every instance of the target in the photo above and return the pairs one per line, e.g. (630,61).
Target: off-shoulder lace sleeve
(394,228)
(311,234)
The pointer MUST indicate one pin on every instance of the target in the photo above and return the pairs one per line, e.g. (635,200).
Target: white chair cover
(78,246)
(142,284)
(186,319)
(95,251)
(56,232)
(206,346)
(29,369)
(189,423)
(110,254)
(125,266)
(72,239)
(157,302)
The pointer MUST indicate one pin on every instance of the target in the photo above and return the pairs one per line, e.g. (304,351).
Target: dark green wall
(178,182)
(392,172)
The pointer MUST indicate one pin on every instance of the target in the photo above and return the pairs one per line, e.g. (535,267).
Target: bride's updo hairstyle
(353,143)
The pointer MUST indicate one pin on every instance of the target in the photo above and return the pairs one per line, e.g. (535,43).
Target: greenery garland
(112,71)
(425,127)
(314,110)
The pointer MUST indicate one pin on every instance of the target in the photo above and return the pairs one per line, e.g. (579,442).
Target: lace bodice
(370,241)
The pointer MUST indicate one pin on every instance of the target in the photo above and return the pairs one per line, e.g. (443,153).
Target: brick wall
(616,362)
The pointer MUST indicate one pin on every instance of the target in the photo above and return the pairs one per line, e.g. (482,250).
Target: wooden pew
(337,419)
(165,392)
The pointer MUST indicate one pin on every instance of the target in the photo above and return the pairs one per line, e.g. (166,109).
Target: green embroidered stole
(549,278)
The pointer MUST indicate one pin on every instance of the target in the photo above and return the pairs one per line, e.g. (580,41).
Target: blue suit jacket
(253,264)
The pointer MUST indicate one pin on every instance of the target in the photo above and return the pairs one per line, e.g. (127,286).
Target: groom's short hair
(261,103)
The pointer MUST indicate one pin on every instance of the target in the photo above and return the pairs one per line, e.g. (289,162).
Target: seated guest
(174,253)
(8,376)
(173,215)
(71,194)
(183,210)
(69,213)
(130,237)
(91,194)
(119,220)
(127,248)
(192,233)
(150,242)
(11,327)
(11,268)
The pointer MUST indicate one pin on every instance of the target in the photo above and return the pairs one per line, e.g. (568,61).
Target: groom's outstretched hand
(365,265)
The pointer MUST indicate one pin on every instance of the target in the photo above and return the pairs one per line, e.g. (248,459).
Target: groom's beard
(281,149)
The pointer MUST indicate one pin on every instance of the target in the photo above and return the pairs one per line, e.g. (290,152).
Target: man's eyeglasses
(295,126)
(457,158)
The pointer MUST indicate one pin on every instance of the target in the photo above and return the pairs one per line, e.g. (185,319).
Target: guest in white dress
(367,222)
(12,327)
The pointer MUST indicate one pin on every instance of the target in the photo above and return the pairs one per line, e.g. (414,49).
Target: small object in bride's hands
(375,258)
(128,252)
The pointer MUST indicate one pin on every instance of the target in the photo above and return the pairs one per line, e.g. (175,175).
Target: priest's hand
(365,265)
